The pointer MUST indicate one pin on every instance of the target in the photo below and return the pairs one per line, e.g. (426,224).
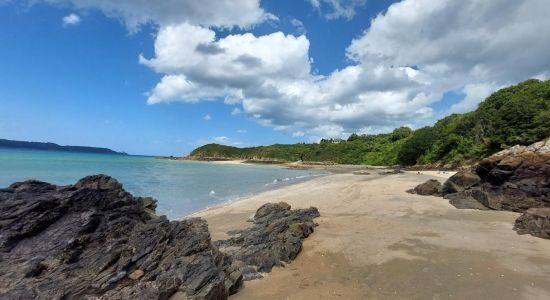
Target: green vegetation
(518,114)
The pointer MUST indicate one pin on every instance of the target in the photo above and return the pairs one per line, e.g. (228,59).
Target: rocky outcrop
(535,221)
(430,187)
(94,239)
(274,238)
(516,179)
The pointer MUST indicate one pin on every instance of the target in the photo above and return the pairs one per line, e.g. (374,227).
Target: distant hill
(518,114)
(54,147)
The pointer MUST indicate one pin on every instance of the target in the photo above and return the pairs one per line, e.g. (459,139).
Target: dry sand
(375,241)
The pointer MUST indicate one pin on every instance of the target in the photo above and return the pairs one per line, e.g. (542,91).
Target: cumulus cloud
(476,46)
(404,62)
(334,9)
(220,13)
(71,19)
(407,59)
(207,117)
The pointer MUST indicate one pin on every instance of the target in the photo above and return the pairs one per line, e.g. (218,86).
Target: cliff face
(95,239)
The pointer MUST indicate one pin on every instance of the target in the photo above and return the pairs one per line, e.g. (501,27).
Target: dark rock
(391,172)
(515,179)
(464,200)
(430,187)
(460,181)
(535,221)
(94,239)
(274,238)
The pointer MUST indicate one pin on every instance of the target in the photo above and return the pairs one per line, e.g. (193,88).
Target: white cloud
(71,19)
(242,131)
(299,25)
(298,134)
(221,139)
(220,13)
(224,140)
(334,9)
(207,117)
(402,64)
(236,111)
(475,93)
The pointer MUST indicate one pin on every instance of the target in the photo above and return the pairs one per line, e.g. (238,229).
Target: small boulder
(460,181)
(430,187)
(271,209)
(535,221)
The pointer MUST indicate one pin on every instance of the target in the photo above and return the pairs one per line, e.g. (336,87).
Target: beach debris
(95,240)
(274,238)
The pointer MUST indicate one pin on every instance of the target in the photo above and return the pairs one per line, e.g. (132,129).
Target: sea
(181,187)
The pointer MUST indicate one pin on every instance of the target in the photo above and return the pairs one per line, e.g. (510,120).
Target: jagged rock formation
(93,239)
(535,221)
(275,237)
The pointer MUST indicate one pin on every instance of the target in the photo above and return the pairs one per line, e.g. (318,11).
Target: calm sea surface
(181,187)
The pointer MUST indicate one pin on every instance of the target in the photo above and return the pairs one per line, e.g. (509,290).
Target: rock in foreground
(94,239)
(535,221)
(275,237)
(428,188)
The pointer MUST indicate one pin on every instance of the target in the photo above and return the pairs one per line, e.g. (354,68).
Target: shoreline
(376,241)
(271,187)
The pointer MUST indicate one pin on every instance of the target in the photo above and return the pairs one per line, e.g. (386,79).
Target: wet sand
(375,241)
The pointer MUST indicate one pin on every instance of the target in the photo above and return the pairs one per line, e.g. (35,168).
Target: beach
(375,241)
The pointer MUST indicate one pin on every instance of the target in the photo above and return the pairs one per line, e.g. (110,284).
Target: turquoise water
(181,187)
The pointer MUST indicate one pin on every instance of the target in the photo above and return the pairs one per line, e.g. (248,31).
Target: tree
(400,133)
(416,145)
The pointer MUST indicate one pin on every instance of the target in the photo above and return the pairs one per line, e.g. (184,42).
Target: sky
(166,76)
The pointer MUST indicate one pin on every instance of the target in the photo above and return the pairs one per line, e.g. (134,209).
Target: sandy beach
(375,241)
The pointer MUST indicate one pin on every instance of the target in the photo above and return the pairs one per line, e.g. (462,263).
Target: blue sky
(71,71)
